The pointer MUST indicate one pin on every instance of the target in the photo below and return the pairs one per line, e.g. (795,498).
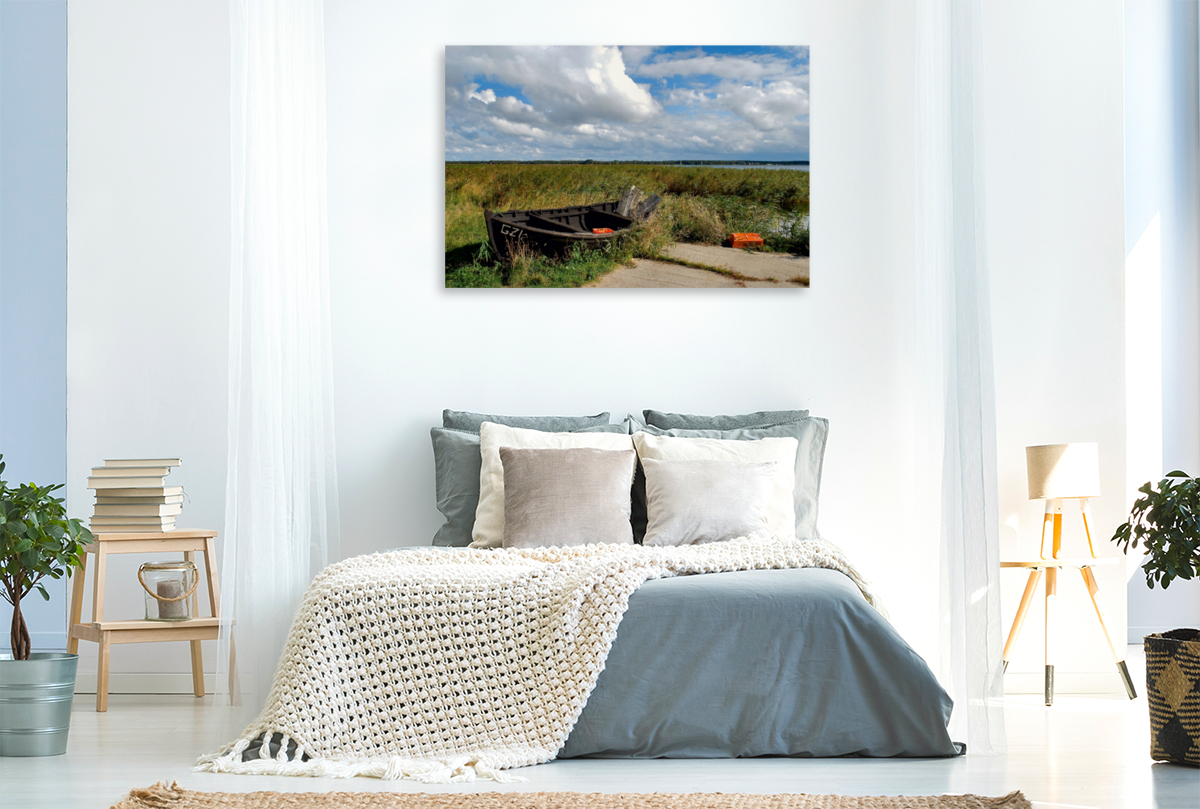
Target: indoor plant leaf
(1165,522)
(36,540)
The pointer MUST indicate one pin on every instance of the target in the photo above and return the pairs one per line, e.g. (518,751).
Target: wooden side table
(1051,567)
(107,633)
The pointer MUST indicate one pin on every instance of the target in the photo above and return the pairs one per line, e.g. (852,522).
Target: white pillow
(489,514)
(781,516)
(691,502)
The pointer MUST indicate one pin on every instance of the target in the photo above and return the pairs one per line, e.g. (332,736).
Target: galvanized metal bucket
(35,703)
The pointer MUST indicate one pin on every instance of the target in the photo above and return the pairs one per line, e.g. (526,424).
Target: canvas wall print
(627,166)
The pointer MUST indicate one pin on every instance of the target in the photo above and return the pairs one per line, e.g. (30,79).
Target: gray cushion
(463,420)
(811,433)
(685,421)
(456,483)
(564,497)
(456,463)
(695,501)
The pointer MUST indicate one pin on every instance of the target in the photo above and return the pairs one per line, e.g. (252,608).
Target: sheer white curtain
(957,428)
(281,508)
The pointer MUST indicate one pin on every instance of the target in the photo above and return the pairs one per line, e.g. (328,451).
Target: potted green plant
(36,688)
(1165,521)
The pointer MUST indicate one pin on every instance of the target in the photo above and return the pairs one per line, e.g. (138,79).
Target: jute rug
(162,796)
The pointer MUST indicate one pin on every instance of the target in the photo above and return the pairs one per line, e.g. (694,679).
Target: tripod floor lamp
(1059,472)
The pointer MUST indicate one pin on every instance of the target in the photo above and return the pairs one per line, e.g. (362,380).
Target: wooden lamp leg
(1048,517)
(1086,511)
(1057,506)
(1035,576)
(1054,506)
(1093,588)
(1051,604)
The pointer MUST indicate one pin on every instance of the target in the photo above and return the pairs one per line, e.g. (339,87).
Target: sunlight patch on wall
(1143,367)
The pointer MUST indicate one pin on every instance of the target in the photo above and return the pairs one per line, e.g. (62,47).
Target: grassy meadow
(700,204)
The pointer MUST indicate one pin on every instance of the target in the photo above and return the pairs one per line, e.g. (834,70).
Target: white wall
(405,347)
(1162,240)
(144,93)
(148,248)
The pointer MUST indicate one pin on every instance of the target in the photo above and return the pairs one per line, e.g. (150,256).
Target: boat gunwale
(503,216)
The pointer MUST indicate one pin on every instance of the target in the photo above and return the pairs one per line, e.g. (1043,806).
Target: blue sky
(626,103)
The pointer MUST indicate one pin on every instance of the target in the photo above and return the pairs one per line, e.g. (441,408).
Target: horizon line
(627,160)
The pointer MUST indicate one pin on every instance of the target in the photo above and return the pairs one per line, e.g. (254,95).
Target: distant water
(773,166)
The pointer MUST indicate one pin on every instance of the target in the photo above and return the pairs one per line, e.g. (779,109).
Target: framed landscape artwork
(624,166)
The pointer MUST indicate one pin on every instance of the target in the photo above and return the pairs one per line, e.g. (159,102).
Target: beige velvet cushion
(488,531)
(781,515)
(566,496)
(690,502)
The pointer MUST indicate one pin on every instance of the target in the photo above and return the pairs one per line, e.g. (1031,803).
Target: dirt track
(746,268)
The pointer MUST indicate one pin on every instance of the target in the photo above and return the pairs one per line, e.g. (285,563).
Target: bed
(760,663)
(734,631)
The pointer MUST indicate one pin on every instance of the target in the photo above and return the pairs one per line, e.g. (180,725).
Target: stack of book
(132,496)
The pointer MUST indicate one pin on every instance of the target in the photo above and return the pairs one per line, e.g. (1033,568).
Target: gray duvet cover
(760,663)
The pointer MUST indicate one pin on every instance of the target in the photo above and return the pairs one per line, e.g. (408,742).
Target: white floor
(1082,752)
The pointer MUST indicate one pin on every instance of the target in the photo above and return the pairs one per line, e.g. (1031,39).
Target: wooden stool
(106,633)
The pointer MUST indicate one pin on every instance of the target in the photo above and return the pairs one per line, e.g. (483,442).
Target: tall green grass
(700,205)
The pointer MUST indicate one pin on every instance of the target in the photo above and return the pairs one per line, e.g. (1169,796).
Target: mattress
(760,663)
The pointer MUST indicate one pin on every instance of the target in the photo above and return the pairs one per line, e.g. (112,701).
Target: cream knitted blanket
(447,666)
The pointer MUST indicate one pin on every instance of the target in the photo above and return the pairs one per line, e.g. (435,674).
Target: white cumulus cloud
(520,130)
(773,106)
(568,85)
(472,93)
(746,68)
(641,103)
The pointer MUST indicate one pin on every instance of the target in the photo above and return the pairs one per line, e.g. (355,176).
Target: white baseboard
(1066,682)
(123,682)
(45,641)
(1136,633)
(1020,682)
(144,683)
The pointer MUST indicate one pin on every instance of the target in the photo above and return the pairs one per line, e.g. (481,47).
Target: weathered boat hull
(553,231)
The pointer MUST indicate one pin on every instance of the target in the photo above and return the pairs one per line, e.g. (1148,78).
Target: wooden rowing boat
(554,231)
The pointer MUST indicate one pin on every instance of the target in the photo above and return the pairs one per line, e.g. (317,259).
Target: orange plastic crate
(602,230)
(745,240)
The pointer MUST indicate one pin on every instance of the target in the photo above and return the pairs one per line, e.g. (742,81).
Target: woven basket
(1173,692)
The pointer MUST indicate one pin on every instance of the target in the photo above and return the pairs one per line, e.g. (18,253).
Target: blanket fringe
(457,769)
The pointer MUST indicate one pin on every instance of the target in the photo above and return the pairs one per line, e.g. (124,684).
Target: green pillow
(810,432)
(684,421)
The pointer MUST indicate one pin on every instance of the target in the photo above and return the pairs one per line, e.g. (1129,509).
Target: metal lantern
(169,587)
